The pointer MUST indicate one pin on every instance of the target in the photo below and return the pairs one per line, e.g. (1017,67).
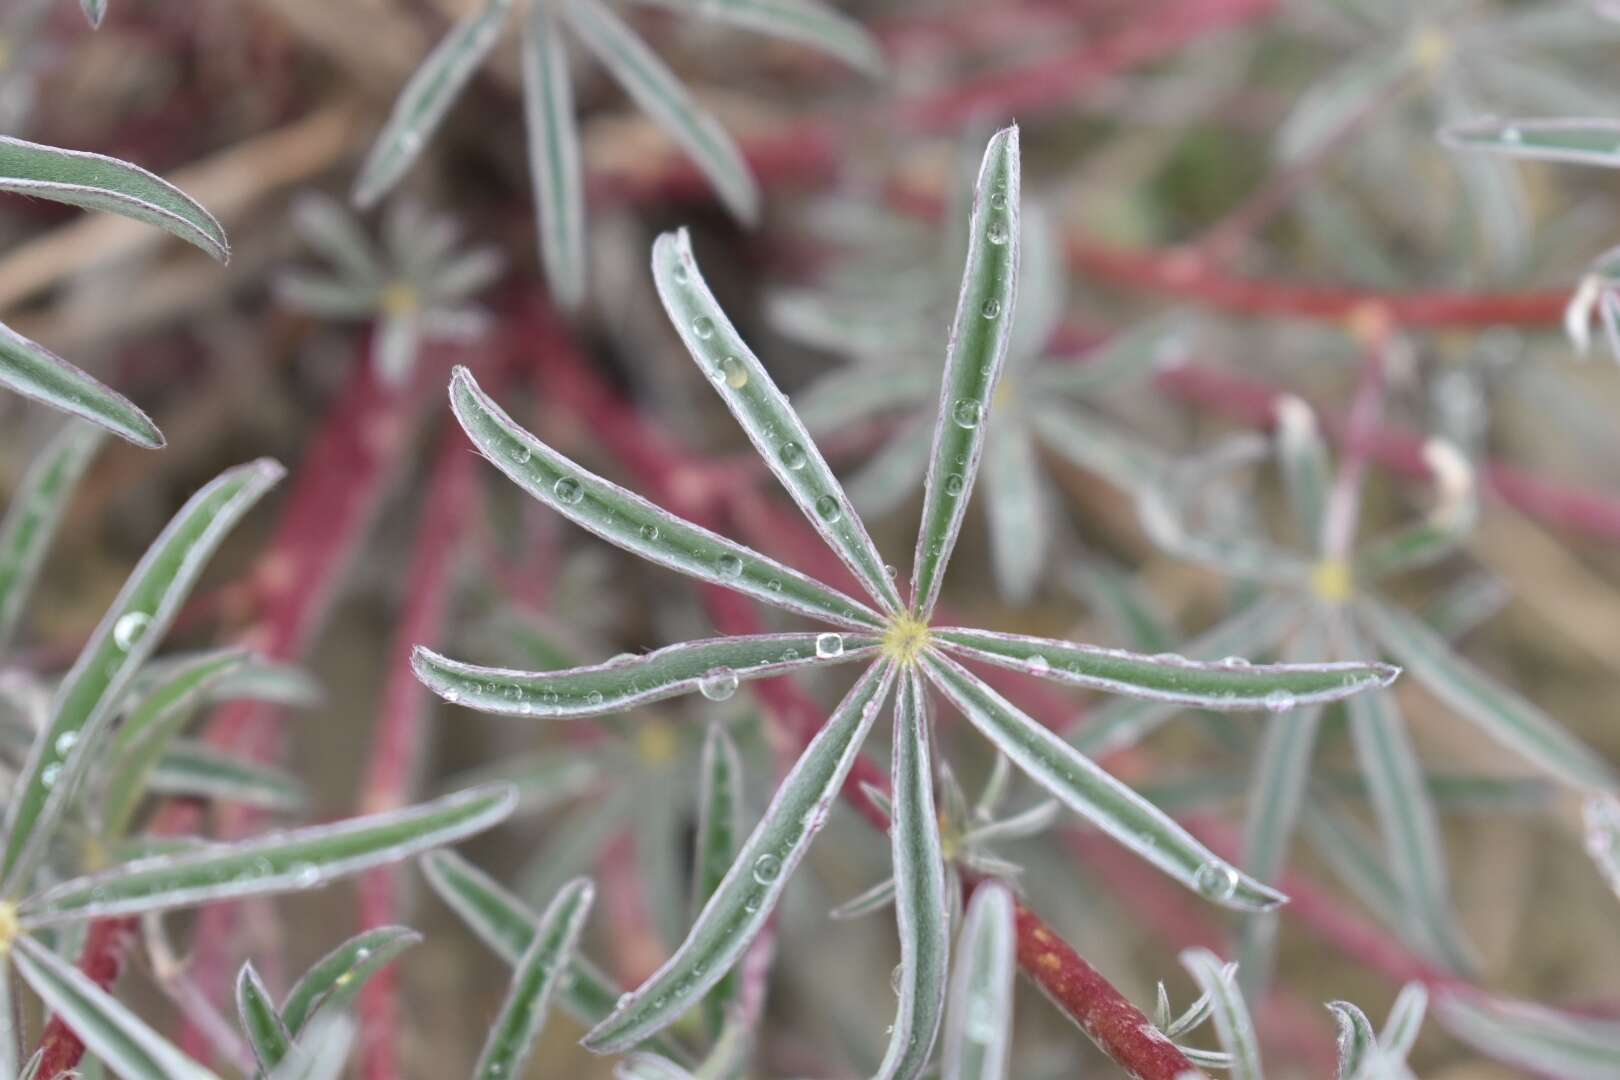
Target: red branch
(449,509)
(106,945)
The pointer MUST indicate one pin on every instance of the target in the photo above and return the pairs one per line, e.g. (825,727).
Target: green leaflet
(426,99)
(978,1017)
(35,372)
(338,977)
(1541,1040)
(1582,142)
(1306,471)
(96,182)
(1231,1016)
(978,346)
(808,22)
(127,635)
(713,667)
(719,834)
(920,904)
(1094,794)
(266,1033)
(1357,1042)
(751,888)
(627,520)
(660,94)
(764,413)
(534,980)
(1016,504)
(109,1030)
(554,157)
(274,862)
(35,512)
(198,771)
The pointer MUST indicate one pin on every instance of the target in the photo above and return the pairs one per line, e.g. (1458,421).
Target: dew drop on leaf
(594,698)
(733,373)
(792,455)
(991,308)
(1216,880)
(729,566)
(648,532)
(966,412)
(717,684)
(703,327)
(767,868)
(129,628)
(1280,701)
(828,510)
(1038,665)
(65,743)
(829,645)
(996,233)
(953,484)
(568,491)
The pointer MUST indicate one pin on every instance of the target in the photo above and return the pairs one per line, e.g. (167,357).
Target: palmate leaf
(1206,684)
(764,413)
(976,351)
(809,22)
(109,1030)
(1582,142)
(1498,711)
(627,520)
(266,1032)
(920,904)
(654,88)
(1231,1016)
(34,513)
(554,156)
(978,1017)
(741,905)
(1095,795)
(97,182)
(276,862)
(35,372)
(713,667)
(339,976)
(543,965)
(426,99)
(127,635)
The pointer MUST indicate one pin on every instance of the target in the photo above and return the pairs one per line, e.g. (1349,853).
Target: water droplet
(307,875)
(998,199)
(953,484)
(703,327)
(774,585)
(718,684)
(679,273)
(1038,665)
(767,868)
(594,698)
(1512,135)
(49,774)
(1216,880)
(65,743)
(751,905)
(648,532)
(1280,701)
(792,455)
(967,413)
(734,374)
(828,510)
(129,628)
(729,566)
(991,308)
(997,232)
(829,645)
(522,455)
(1234,662)
(568,491)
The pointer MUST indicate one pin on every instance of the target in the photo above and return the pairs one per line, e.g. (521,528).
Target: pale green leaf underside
(627,520)
(127,635)
(109,1030)
(96,182)
(1499,712)
(920,905)
(34,513)
(1545,1041)
(276,862)
(554,156)
(974,355)
(35,372)
(651,84)
(1095,795)
(741,905)
(764,413)
(426,99)
(1169,678)
(534,981)
(978,1015)
(714,667)
(1230,1015)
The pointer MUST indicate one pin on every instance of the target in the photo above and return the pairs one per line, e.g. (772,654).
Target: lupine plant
(904,653)
(548,99)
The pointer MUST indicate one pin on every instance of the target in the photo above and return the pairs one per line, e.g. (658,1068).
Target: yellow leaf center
(905,638)
(400,298)
(9,929)
(1332,580)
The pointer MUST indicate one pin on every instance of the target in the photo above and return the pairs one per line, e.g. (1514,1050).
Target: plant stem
(106,945)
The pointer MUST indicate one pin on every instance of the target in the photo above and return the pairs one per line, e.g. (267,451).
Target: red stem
(106,945)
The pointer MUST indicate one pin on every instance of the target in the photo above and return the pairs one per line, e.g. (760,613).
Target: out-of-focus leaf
(199,771)
(978,1017)
(719,832)
(97,182)
(126,636)
(1584,142)
(648,80)
(745,899)
(554,157)
(974,356)
(808,22)
(35,372)
(1357,1042)
(889,477)
(1094,794)
(109,1030)
(276,862)
(1231,1016)
(919,889)
(534,980)
(1543,1041)
(764,413)
(35,512)
(624,518)
(1601,816)
(1016,502)
(426,99)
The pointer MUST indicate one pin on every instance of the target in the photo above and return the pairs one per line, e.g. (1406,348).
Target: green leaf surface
(339,976)
(746,897)
(974,356)
(627,520)
(808,22)
(1230,1015)
(35,372)
(35,512)
(1581,142)
(719,835)
(97,182)
(266,1033)
(129,632)
(1543,1041)
(276,862)
(554,156)
(199,771)
(979,1012)
(1306,469)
